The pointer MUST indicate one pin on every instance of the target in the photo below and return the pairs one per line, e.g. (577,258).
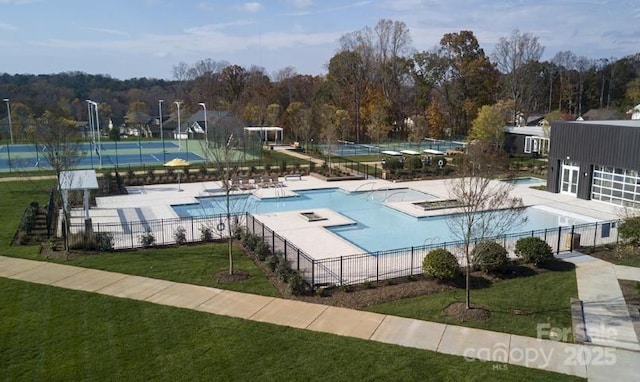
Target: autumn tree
(488,127)
(486,207)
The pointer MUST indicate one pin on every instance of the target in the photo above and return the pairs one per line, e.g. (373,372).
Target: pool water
(378,227)
(524,181)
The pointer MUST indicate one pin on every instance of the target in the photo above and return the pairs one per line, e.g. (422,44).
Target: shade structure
(177,163)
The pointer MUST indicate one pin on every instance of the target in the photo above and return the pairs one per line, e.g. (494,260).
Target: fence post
(273,243)
(340,280)
(618,232)
(411,266)
(192,237)
(297,262)
(377,267)
(131,231)
(571,243)
(545,234)
(313,273)
(595,234)
(285,251)
(559,237)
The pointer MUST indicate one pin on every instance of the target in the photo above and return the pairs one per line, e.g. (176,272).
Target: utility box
(573,241)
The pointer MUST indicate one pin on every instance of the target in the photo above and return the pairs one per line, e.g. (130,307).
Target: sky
(147,38)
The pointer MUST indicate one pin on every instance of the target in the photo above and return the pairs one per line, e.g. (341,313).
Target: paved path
(607,318)
(476,344)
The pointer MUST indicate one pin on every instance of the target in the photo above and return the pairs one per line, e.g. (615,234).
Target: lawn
(191,264)
(517,304)
(54,334)
(621,255)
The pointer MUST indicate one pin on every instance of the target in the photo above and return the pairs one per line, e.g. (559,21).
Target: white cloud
(251,7)
(300,4)
(205,6)
(7,27)
(113,32)
(18,2)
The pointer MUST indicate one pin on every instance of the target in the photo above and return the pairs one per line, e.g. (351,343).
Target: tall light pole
(90,121)
(97,122)
(164,158)
(6,100)
(206,134)
(178,103)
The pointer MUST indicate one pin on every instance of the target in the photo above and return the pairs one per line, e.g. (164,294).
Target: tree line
(377,86)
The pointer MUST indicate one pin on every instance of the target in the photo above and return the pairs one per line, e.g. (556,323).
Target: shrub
(151,174)
(147,239)
(296,285)
(272,262)
(489,256)
(283,269)
(206,234)
(312,166)
(629,230)
(249,241)
(262,250)
(441,264)
(237,231)
(413,162)
(104,241)
(180,235)
(392,164)
(533,250)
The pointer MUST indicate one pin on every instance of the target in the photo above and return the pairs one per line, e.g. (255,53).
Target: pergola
(76,180)
(264,133)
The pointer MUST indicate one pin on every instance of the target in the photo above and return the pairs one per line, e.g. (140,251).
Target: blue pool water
(378,227)
(526,180)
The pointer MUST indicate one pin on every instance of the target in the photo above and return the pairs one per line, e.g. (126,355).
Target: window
(616,185)
(538,145)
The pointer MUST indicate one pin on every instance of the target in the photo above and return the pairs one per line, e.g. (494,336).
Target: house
(526,140)
(602,115)
(596,160)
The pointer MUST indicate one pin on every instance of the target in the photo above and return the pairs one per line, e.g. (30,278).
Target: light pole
(6,100)
(164,158)
(90,121)
(97,122)
(206,134)
(178,103)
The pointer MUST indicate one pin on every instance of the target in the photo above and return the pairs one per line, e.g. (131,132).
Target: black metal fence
(136,234)
(402,262)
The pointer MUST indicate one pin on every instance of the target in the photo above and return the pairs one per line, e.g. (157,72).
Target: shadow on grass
(558,266)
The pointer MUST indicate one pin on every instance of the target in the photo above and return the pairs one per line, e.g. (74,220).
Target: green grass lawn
(192,264)
(544,298)
(52,334)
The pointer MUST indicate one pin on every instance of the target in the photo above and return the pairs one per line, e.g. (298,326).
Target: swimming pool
(529,180)
(378,227)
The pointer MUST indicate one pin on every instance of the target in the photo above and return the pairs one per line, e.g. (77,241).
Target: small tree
(487,208)
(629,230)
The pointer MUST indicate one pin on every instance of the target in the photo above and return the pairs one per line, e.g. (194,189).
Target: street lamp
(164,158)
(90,122)
(206,134)
(178,103)
(6,100)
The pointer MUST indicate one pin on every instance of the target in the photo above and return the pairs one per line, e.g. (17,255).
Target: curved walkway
(473,344)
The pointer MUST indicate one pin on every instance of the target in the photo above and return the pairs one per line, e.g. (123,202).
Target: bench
(293,176)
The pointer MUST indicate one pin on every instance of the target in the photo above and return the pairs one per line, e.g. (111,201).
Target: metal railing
(403,262)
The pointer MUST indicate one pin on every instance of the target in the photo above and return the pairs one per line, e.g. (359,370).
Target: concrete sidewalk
(606,316)
(474,344)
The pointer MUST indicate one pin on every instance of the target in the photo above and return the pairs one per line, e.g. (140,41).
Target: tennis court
(108,154)
(345,148)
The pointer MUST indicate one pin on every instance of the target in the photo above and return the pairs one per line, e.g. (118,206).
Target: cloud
(112,32)
(205,6)
(251,7)
(18,2)
(300,4)
(210,28)
(7,27)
